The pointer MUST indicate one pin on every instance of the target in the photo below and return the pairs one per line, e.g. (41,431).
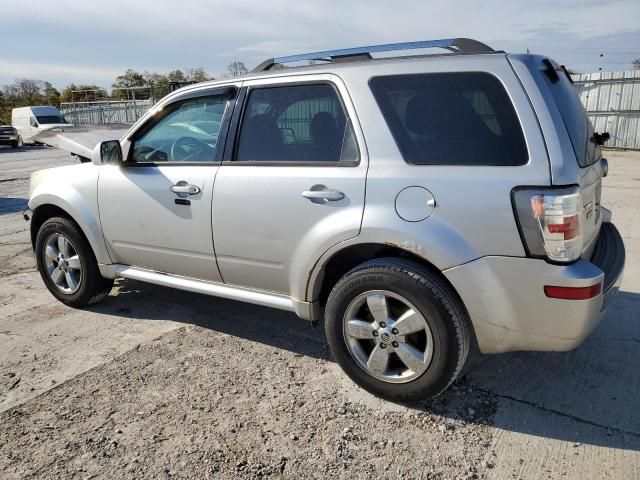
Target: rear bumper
(510,311)
(609,256)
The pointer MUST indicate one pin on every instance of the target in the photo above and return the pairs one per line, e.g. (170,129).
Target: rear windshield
(575,119)
(44,119)
(451,119)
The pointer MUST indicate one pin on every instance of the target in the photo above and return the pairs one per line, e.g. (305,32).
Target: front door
(293,188)
(155,208)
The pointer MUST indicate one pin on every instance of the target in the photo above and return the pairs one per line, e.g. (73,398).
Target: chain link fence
(105,111)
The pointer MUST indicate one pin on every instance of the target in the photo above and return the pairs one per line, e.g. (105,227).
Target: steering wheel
(186,148)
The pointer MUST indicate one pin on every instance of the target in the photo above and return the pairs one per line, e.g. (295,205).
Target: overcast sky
(88,41)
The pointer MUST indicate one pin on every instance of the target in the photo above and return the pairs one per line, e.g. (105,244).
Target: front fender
(79,201)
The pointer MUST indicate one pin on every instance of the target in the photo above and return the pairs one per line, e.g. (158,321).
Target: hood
(79,140)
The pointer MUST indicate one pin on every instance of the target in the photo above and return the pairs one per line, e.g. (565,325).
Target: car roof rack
(458,45)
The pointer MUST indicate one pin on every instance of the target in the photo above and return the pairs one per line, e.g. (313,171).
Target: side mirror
(34,123)
(107,152)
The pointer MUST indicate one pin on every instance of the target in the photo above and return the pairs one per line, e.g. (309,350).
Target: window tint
(296,123)
(575,119)
(451,119)
(188,132)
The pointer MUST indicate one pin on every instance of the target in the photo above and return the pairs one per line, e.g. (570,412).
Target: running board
(272,300)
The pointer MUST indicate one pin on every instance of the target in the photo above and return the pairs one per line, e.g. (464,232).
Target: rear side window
(451,119)
(297,123)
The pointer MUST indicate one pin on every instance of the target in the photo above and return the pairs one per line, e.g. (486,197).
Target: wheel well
(344,260)
(41,215)
(349,257)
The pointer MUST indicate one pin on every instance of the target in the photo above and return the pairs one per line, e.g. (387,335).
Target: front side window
(187,132)
(462,118)
(299,123)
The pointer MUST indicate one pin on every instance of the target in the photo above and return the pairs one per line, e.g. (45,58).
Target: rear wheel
(397,329)
(67,264)
(17,143)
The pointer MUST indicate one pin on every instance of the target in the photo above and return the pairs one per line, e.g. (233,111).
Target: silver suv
(425,206)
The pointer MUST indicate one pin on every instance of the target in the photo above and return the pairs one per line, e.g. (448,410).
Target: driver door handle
(329,195)
(188,189)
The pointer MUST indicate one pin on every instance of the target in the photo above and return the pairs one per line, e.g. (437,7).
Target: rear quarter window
(574,117)
(456,118)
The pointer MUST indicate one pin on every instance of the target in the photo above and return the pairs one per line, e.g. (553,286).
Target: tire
(84,285)
(403,283)
(17,143)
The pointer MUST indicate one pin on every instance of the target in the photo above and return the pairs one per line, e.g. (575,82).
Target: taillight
(550,222)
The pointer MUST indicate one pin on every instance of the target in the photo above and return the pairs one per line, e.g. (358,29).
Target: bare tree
(82,93)
(176,76)
(196,75)
(51,94)
(236,69)
(636,64)
(24,92)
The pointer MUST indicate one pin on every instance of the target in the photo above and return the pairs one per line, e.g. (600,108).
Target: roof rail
(460,45)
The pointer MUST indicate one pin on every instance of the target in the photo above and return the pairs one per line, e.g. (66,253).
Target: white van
(29,121)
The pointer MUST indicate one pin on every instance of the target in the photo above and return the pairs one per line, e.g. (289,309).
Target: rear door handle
(329,195)
(185,189)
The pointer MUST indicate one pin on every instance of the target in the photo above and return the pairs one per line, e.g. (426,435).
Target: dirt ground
(156,383)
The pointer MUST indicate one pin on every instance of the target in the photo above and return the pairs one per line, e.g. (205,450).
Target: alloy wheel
(388,336)
(63,263)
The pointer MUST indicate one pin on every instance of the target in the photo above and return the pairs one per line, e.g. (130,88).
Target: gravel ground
(157,383)
(177,408)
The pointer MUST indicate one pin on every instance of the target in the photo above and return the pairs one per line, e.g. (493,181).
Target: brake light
(550,222)
(570,227)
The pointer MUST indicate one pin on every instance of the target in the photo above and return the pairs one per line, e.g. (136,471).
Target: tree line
(143,85)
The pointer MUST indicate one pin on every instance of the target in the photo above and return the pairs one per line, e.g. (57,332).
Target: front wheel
(397,329)
(67,264)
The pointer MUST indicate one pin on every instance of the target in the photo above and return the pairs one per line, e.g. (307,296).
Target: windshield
(47,119)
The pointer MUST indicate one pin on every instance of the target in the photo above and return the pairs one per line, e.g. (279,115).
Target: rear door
(292,187)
